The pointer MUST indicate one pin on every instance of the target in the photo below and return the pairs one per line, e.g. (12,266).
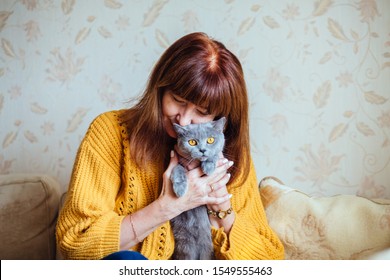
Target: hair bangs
(207,90)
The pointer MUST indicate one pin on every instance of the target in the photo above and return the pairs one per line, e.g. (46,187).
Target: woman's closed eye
(201,111)
(179,100)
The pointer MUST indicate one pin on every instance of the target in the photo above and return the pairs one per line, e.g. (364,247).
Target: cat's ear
(219,124)
(180,130)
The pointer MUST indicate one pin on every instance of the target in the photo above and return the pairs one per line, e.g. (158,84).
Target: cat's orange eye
(210,140)
(192,142)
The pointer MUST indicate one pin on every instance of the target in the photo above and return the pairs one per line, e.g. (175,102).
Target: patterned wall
(318,74)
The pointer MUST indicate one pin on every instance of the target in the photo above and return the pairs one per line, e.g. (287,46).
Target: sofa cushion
(28,213)
(337,227)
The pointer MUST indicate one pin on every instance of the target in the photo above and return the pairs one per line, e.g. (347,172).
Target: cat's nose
(202,151)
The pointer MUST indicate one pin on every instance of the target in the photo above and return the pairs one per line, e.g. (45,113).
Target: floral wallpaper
(318,76)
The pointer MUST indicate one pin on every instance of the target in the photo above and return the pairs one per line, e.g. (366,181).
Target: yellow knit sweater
(106,186)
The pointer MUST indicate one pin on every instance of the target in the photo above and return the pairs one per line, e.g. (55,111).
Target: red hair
(204,72)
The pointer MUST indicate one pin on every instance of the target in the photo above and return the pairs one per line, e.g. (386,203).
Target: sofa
(340,227)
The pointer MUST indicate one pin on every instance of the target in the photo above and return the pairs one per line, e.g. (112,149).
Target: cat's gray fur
(192,230)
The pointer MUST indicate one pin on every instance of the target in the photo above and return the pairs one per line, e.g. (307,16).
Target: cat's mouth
(203,158)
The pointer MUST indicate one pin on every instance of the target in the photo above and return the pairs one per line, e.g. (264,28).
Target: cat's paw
(208,167)
(179,181)
(180,188)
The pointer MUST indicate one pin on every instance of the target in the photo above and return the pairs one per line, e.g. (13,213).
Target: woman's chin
(171,133)
(169,130)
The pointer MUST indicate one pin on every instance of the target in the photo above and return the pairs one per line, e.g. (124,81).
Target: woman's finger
(167,174)
(217,200)
(195,173)
(219,173)
(172,163)
(215,187)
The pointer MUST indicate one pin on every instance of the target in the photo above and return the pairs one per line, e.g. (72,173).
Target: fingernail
(224,160)
(231,163)
(230,195)
(172,153)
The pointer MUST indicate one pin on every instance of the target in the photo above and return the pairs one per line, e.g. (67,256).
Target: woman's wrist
(166,208)
(220,214)
(223,221)
(221,206)
(138,225)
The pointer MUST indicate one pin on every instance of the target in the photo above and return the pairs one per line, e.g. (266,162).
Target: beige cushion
(28,213)
(337,227)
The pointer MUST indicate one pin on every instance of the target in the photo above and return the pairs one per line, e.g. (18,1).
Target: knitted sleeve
(250,237)
(88,227)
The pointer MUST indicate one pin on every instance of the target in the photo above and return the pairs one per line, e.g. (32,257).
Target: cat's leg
(186,234)
(179,180)
(208,166)
(185,251)
(204,243)
(192,232)
(207,253)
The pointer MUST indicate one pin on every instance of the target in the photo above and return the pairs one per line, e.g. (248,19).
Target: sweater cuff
(111,238)
(232,246)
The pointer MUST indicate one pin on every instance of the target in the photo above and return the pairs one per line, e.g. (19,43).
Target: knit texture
(106,186)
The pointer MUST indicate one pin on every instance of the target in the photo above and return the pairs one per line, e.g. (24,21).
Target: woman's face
(180,111)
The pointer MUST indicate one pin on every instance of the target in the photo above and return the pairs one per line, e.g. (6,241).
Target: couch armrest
(335,227)
(28,215)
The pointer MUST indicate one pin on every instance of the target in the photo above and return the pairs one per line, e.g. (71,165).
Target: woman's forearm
(143,222)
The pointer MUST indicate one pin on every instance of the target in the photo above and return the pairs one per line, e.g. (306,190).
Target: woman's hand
(210,190)
(202,188)
(199,191)
(214,185)
(219,189)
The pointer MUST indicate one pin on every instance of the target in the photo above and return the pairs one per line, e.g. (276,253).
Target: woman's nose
(184,118)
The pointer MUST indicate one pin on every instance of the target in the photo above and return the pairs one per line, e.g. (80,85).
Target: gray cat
(204,143)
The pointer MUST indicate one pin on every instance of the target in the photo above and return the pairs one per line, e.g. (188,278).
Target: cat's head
(201,141)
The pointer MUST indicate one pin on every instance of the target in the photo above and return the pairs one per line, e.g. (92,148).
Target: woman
(120,196)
